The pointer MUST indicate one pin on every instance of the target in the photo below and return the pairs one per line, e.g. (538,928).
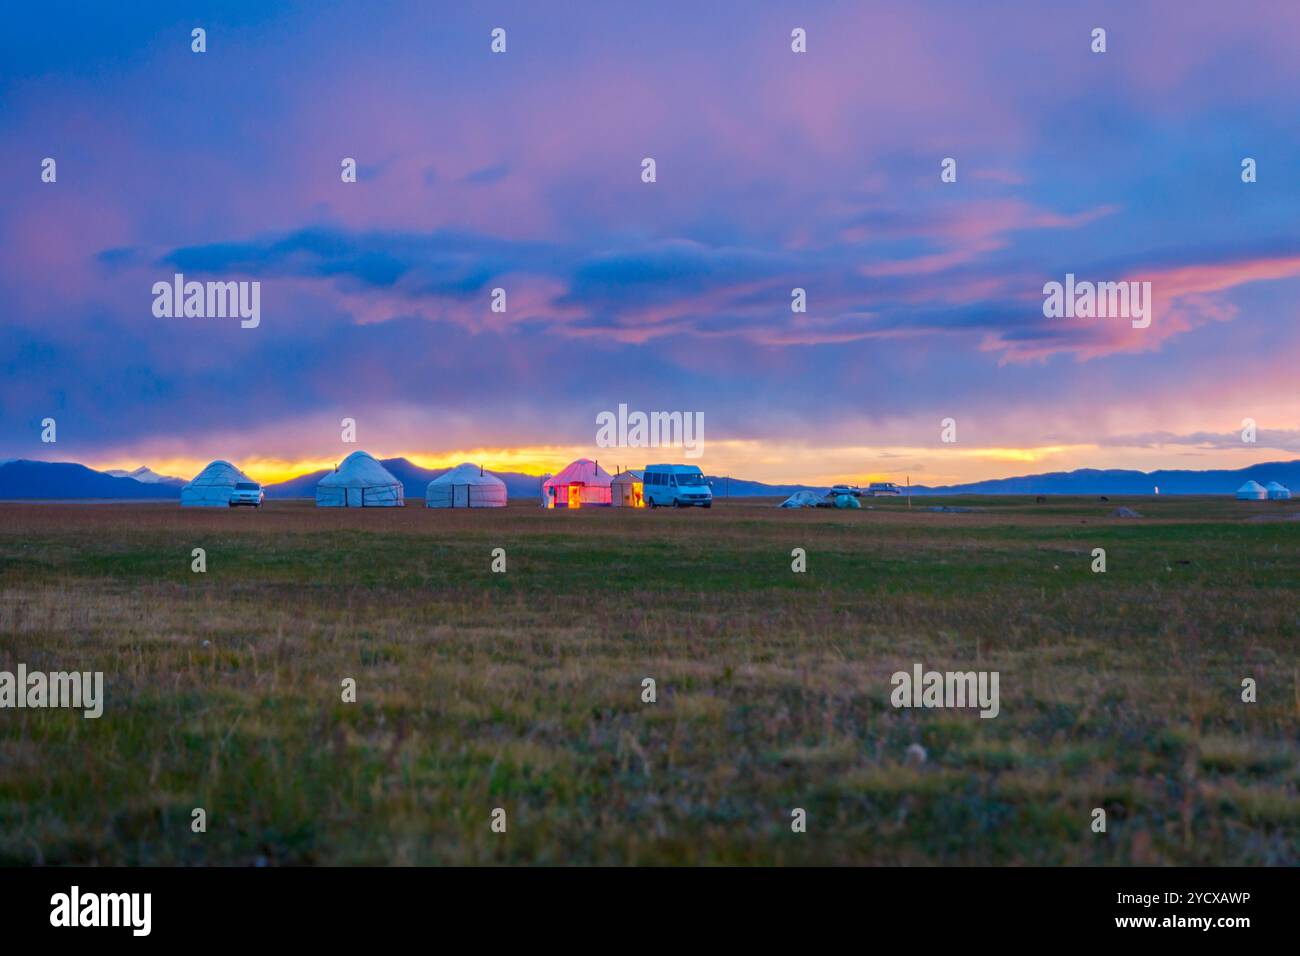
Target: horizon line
(310,467)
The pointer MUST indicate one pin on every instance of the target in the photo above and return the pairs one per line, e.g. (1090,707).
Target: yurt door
(460,496)
(354,497)
(575,496)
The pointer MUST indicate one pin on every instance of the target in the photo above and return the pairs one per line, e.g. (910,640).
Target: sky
(774,170)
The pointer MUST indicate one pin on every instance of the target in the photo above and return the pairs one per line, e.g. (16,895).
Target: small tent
(802,499)
(581,484)
(1277,491)
(213,486)
(466,486)
(360,482)
(627,490)
(1252,491)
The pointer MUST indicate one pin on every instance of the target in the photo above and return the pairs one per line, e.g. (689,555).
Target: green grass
(523,690)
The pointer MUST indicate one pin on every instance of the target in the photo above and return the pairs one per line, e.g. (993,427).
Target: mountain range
(146,475)
(1091,481)
(23,479)
(64,479)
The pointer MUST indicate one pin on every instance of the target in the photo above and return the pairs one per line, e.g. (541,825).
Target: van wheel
(651,504)
(709,505)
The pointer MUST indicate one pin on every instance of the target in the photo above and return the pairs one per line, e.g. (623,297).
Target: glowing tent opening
(581,484)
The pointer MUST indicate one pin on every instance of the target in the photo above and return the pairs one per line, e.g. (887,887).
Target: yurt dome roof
(359,470)
(583,471)
(467,474)
(219,472)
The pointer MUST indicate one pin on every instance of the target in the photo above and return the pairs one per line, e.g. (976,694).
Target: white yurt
(1277,491)
(581,484)
(466,486)
(360,482)
(213,486)
(1252,491)
(627,490)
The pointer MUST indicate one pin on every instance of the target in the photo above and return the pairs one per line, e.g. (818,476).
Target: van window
(245,486)
(691,480)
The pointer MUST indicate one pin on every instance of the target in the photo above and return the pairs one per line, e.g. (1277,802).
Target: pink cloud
(1185,298)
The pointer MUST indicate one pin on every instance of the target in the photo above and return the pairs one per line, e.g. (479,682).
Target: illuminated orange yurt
(628,490)
(581,484)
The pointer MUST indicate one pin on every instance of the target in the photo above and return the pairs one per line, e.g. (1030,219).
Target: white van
(678,486)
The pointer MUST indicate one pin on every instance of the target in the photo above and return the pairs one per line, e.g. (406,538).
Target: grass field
(522,690)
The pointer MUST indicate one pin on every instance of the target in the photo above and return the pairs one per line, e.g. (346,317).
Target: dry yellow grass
(523,690)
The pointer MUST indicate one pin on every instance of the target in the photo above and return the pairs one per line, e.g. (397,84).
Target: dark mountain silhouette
(724,486)
(1090,481)
(64,479)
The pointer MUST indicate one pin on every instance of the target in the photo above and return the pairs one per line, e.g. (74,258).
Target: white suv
(247,493)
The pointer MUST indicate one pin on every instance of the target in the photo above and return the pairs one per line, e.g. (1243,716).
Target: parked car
(838,490)
(246,493)
(877,488)
(678,486)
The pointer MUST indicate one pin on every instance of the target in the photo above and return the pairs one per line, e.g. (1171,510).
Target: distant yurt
(802,499)
(360,482)
(627,490)
(581,484)
(1252,491)
(466,486)
(213,486)
(1277,491)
